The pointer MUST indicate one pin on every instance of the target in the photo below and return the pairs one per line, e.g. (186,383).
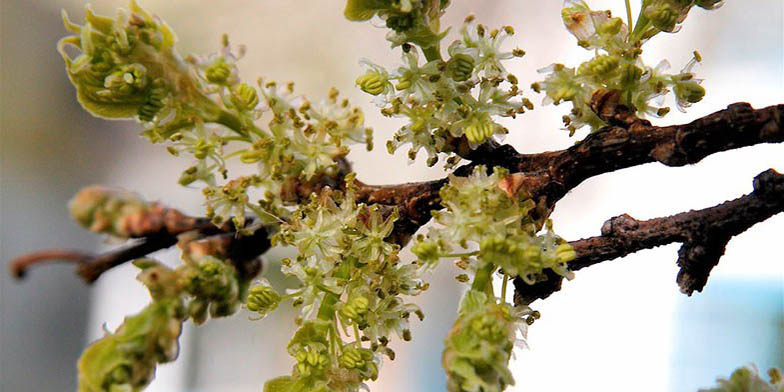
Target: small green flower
(218,72)
(373,82)
(244,97)
(262,299)
(460,67)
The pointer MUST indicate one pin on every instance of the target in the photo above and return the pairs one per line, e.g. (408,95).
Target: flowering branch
(703,233)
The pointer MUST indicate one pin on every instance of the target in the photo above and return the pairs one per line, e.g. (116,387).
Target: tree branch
(628,141)
(703,233)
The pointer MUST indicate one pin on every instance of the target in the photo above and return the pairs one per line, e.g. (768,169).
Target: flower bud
(218,72)
(710,4)
(426,251)
(630,74)
(127,80)
(689,91)
(599,66)
(355,308)
(663,16)
(262,299)
(372,82)
(244,97)
(460,67)
(565,253)
(611,27)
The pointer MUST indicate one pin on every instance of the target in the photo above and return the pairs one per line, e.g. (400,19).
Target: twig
(703,233)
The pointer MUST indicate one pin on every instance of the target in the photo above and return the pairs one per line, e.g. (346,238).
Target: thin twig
(703,233)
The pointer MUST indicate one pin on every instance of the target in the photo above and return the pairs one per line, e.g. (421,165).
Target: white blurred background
(618,326)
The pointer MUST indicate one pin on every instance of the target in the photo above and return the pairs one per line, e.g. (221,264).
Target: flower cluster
(478,348)
(442,100)
(127,358)
(486,216)
(351,283)
(489,217)
(748,378)
(107,211)
(617,64)
(128,68)
(414,21)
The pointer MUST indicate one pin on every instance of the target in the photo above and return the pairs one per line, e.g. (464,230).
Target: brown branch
(703,233)
(19,266)
(548,176)
(626,142)
(629,142)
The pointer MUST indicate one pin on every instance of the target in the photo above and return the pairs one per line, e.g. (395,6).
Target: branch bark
(628,141)
(703,233)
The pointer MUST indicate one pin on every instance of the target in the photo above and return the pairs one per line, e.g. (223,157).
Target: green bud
(372,82)
(565,253)
(244,97)
(153,104)
(709,4)
(197,311)
(403,83)
(262,299)
(478,131)
(127,80)
(630,74)
(663,17)
(400,23)
(460,67)
(689,91)
(355,308)
(611,27)
(599,66)
(218,72)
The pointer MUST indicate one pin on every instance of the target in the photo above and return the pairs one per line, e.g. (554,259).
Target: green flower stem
(483,279)
(629,16)
(327,310)
(356,335)
(467,254)
(639,28)
(503,288)
(230,121)
(432,52)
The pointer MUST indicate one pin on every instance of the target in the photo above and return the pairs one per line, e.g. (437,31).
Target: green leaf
(360,10)
(282,384)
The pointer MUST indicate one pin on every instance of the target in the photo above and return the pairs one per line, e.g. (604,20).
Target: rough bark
(703,233)
(627,141)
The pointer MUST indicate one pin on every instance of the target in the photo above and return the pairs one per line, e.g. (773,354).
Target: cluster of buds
(667,15)
(477,349)
(413,21)
(127,358)
(262,299)
(110,211)
(748,378)
(461,96)
(483,212)
(617,64)
(214,287)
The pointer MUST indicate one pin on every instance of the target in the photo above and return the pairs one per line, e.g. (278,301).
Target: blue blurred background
(618,326)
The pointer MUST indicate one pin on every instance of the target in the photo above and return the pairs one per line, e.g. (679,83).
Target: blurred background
(618,326)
